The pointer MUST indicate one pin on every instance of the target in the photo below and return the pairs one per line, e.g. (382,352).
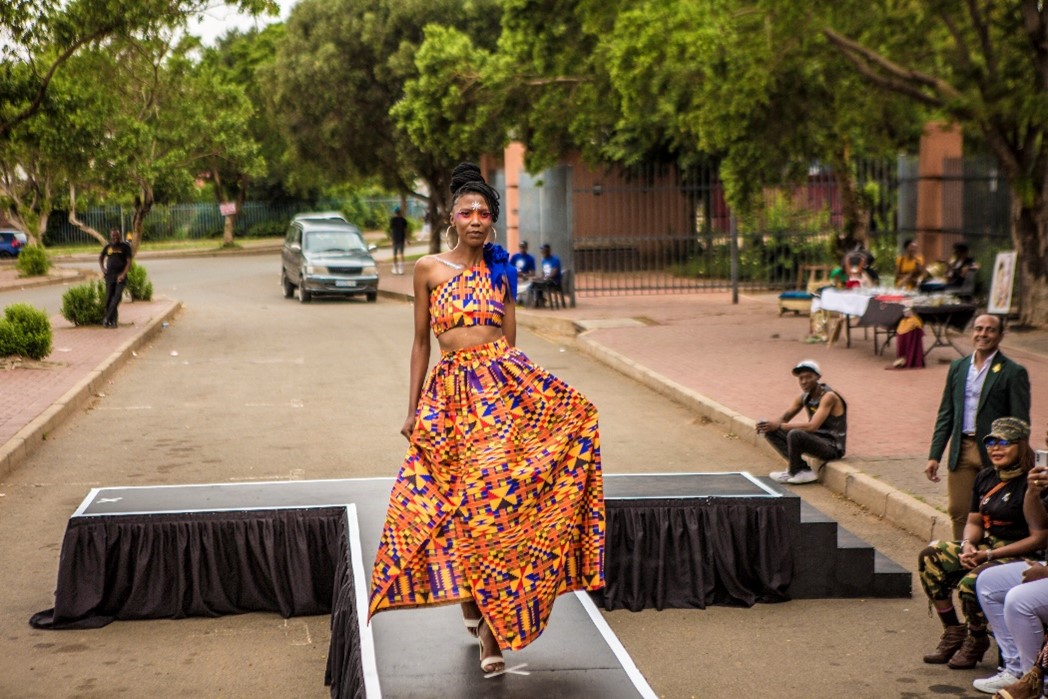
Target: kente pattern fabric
(500,497)
(465,300)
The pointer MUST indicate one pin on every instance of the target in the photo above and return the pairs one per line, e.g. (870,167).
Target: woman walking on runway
(499,502)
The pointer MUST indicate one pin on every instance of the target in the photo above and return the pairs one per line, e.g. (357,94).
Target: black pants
(114,292)
(796,443)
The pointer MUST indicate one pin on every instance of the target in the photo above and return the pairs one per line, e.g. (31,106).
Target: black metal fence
(665,230)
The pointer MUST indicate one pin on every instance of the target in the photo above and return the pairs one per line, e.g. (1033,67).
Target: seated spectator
(858,266)
(959,273)
(1005,523)
(1014,598)
(808,445)
(962,264)
(909,267)
(550,279)
(524,263)
(909,342)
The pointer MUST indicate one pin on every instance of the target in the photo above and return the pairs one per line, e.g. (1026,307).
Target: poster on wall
(1001,287)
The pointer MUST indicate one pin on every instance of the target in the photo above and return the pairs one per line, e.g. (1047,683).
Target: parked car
(326,257)
(11,243)
(320,216)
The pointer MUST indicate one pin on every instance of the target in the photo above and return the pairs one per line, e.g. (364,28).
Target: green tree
(42,35)
(240,59)
(54,127)
(40,156)
(984,65)
(341,67)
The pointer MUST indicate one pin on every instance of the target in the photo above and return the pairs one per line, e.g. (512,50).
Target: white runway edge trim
(616,646)
(372,689)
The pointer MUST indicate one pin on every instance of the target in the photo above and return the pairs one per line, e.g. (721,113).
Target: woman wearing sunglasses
(1006,521)
(499,503)
(1015,599)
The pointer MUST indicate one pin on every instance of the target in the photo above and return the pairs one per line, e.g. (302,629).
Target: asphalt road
(245,385)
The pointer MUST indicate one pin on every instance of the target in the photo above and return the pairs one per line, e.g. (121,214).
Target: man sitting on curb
(810,444)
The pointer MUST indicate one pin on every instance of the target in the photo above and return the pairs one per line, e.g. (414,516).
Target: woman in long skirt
(499,502)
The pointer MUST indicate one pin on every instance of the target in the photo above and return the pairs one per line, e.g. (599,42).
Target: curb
(50,280)
(30,437)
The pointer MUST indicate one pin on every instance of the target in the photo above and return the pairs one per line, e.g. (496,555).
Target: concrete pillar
(513,165)
(939,141)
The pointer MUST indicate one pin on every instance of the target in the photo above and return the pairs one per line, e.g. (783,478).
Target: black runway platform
(306,547)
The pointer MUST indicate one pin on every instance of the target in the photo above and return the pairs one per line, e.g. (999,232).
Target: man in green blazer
(979,389)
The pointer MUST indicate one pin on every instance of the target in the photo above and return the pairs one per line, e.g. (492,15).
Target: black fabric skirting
(690,554)
(295,562)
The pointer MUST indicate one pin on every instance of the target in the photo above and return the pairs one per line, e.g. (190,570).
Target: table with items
(882,309)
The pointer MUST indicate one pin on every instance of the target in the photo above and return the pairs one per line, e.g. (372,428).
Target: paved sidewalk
(37,396)
(729,362)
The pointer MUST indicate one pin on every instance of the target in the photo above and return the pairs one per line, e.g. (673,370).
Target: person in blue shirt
(524,262)
(549,278)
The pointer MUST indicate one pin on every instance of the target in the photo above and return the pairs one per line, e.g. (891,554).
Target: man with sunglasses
(980,388)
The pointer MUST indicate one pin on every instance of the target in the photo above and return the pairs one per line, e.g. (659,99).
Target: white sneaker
(992,685)
(779,476)
(814,462)
(804,476)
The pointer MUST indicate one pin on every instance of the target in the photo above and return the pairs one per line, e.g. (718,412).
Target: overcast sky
(219,20)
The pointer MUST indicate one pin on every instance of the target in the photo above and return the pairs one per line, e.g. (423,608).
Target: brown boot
(949,643)
(971,652)
(1028,687)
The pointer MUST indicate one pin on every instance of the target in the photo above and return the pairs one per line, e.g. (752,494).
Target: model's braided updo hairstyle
(466,179)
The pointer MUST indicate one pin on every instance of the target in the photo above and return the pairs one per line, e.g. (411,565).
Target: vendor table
(882,312)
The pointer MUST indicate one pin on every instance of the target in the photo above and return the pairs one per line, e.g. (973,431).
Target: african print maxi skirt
(500,497)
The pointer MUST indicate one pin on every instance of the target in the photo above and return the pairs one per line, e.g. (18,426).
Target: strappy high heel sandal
(473,626)
(489,663)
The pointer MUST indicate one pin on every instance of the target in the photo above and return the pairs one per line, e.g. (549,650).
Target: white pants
(1017,613)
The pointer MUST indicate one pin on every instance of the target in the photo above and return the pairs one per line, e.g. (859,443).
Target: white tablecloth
(851,301)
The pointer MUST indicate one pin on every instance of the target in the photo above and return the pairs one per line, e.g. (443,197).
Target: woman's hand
(408,428)
(1038,479)
(969,555)
(1036,571)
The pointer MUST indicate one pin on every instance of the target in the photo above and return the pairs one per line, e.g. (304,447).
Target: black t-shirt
(398,226)
(115,256)
(1004,507)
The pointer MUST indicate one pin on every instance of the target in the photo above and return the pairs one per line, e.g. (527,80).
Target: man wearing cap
(808,444)
(980,388)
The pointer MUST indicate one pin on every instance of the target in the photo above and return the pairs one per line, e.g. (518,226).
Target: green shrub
(138,284)
(10,339)
(85,304)
(33,261)
(25,331)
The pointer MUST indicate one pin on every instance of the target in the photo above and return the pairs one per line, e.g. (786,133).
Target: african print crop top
(464,301)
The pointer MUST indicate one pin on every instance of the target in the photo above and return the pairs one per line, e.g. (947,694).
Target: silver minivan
(327,257)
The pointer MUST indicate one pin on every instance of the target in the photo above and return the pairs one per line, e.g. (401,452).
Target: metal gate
(664,229)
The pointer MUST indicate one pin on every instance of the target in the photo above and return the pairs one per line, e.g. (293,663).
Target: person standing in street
(808,445)
(980,388)
(115,261)
(398,230)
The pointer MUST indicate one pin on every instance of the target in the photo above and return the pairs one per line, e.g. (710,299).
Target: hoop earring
(447,236)
(492,234)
